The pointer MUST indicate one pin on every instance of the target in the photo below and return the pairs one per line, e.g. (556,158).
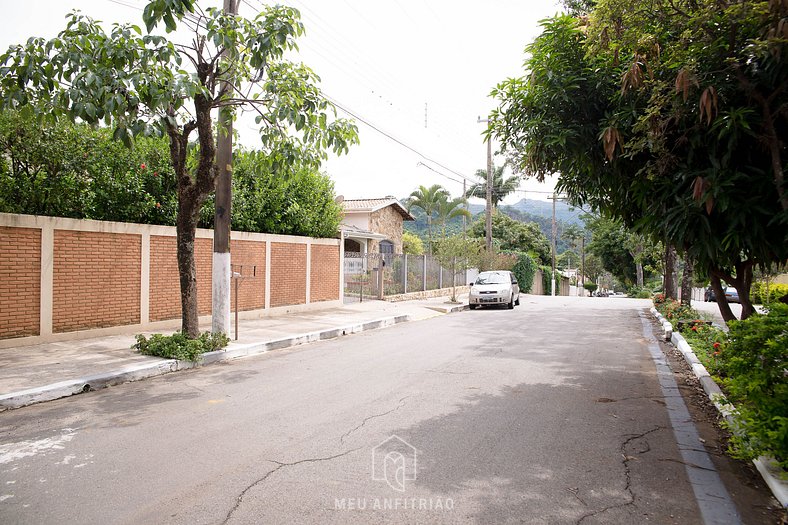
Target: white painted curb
(768,467)
(145,370)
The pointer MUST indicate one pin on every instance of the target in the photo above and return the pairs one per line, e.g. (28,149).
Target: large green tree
(141,84)
(512,235)
(669,116)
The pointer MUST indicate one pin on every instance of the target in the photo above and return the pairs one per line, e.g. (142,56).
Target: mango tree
(146,84)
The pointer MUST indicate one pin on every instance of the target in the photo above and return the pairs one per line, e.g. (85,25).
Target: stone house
(373,225)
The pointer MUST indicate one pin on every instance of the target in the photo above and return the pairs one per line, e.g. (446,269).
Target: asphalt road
(549,413)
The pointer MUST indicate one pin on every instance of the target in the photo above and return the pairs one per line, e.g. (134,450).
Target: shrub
(673,310)
(591,287)
(639,292)
(524,269)
(178,346)
(707,343)
(759,293)
(754,362)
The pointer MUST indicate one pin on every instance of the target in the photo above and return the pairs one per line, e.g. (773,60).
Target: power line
(390,137)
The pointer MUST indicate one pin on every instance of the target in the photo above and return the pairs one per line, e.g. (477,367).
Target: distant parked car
(709,296)
(731,294)
(494,288)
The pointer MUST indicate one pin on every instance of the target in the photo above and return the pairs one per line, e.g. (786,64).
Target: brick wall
(248,259)
(20,281)
(165,286)
(60,275)
(96,280)
(324,280)
(288,274)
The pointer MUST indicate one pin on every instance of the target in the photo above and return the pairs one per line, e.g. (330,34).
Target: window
(386,247)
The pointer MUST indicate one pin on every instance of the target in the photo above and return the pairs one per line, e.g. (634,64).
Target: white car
(494,288)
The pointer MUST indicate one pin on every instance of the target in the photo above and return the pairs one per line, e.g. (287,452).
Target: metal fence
(400,274)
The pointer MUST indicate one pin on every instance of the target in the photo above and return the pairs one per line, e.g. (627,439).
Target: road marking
(716,506)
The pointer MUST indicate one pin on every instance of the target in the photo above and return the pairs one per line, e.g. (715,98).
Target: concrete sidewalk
(43,372)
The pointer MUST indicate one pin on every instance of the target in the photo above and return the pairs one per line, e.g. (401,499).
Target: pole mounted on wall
(222,270)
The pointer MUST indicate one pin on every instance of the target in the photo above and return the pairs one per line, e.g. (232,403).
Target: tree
(411,244)
(674,135)
(458,253)
(500,187)
(449,209)
(512,235)
(136,84)
(428,200)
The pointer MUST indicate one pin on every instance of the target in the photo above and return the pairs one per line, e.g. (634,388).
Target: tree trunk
(639,273)
(186,228)
(719,296)
(686,283)
(671,273)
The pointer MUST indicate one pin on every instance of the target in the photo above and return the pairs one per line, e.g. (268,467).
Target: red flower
(155,173)
(716,345)
(143,166)
(158,205)
(694,328)
(716,353)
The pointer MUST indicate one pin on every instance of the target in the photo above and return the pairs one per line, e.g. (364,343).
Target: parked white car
(494,288)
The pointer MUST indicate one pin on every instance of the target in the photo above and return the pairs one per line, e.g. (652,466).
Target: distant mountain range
(526,210)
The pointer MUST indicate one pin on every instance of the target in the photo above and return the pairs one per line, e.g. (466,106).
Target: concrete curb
(770,471)
(145,370)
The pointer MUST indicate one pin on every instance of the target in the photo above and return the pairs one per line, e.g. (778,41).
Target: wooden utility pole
(488,209)
(554,230)
(583,264)
(222,267)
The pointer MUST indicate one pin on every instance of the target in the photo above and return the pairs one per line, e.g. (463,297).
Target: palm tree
(500,187)
(428,200)
(448,209)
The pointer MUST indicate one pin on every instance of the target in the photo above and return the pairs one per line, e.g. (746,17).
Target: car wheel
(517,302)
(472,306)
(511,304)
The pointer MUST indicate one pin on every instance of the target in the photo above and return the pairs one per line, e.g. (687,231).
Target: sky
(414,74)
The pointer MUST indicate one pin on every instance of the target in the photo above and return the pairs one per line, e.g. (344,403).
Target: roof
(371,205)
(353,232)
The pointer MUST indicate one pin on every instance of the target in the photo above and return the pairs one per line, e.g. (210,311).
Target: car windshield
(493,278)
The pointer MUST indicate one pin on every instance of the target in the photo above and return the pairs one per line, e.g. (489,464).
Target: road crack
(627,474)
(400,405)
(279,465)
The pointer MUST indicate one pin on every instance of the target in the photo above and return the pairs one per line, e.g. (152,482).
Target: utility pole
(488,209)
(222,267)
(464,218)
(583,263)
(554,234)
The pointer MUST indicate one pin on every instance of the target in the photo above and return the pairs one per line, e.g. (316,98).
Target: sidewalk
(37,373)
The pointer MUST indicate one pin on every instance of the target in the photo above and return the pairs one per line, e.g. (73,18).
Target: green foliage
(495,259)
(428,200)
(775,292)
(754,361)
(547,280)
(591,287)
(73,170)
(501,187)
(639,292)
(412,244)
(281,199)
(674,311)
(666,118)
(179,346)
(524,269)
(515,236)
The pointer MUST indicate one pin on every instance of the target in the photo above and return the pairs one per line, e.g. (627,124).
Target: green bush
(178,346)
(524,269)
(754,362)
(675,311)
(639,292)
(547,280)
(759,295)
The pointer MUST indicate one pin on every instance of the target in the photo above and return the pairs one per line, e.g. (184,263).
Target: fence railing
(367,274)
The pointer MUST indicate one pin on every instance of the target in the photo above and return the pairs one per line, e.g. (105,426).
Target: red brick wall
(245,255)
(96,280)
(165,286)
(288,274)
(20,281)
(324,281)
